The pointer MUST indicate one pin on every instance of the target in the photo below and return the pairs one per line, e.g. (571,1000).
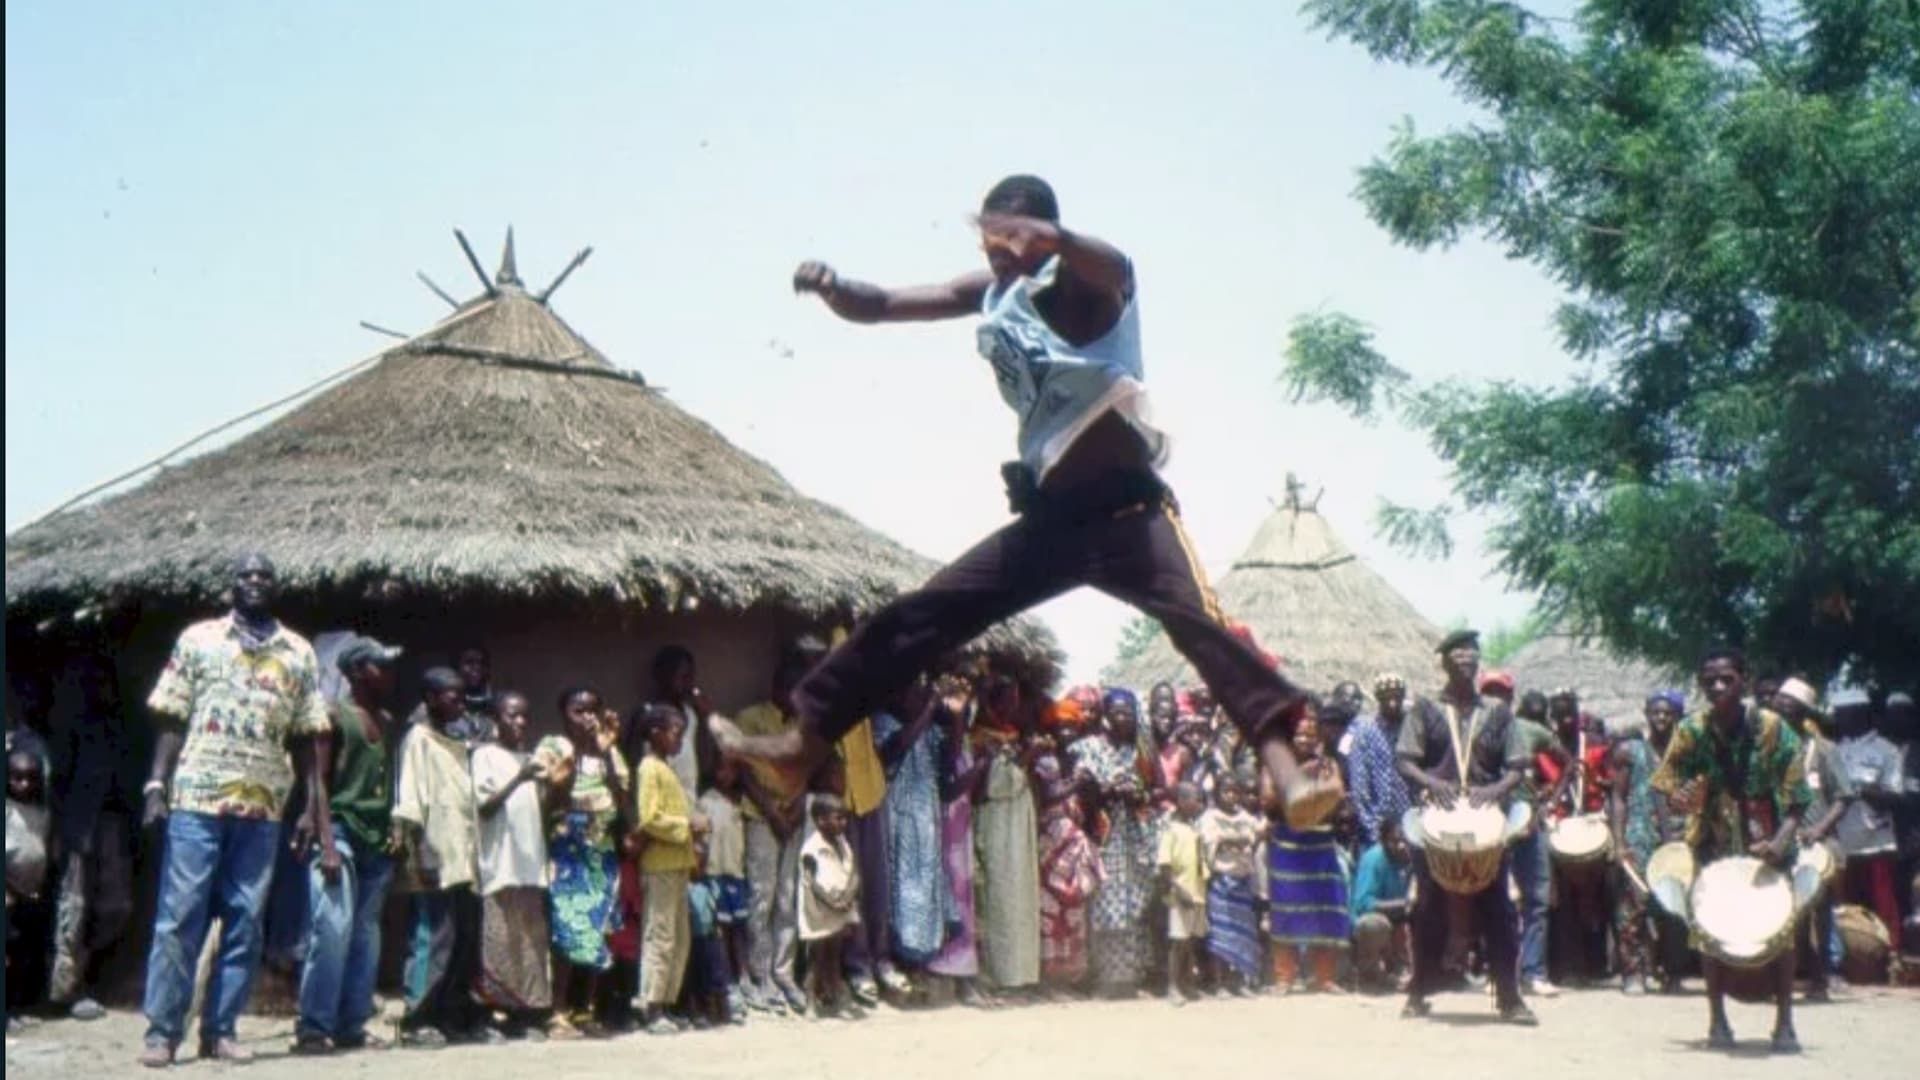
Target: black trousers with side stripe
(1120,534)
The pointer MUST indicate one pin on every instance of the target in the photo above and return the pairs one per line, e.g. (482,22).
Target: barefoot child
(587,793)
(829,902)
(710,973)
(726,870)
(1183,880)
(670,824)
(1069,874)
(435,828)
(1230,837)
(29,921)
(515,975)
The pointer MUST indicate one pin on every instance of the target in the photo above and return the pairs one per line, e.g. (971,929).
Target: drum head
(1463,828)
(1410,827)
(1670,875)
(1580,838)
(1812,871)
(1743,909)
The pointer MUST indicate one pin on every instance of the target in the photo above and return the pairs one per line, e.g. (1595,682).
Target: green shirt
(362,794)
(1537,738)
(1757,769)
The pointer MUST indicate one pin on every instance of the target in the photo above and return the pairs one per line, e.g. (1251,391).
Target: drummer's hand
(1484,795)
(1771,852)
(1444,794)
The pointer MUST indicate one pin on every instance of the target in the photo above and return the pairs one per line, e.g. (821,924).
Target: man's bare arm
(861,302)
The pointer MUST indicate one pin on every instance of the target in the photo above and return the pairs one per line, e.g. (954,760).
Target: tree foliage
(1728,191)
(1139,633)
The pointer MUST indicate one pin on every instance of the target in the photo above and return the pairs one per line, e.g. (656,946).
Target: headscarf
(1117,696)
(1496,679)
(1673,698)
(1087,697)
(1065,715)
(1386,681)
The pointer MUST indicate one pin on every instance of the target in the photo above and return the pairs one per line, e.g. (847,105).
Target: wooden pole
(474,261)
(378,329)
(437,290)
(570,268)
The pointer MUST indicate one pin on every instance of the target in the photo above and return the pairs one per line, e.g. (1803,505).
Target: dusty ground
(1595,1033)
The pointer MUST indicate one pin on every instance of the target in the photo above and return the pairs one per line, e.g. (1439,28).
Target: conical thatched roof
(1608,686)
(498,453)
(1313,602)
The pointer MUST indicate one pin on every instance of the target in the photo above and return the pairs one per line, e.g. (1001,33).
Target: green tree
(1729,193)
(1139,633)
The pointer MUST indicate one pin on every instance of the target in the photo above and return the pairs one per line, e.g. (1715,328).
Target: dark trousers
(1495,920)
(1121,535)
(446,952)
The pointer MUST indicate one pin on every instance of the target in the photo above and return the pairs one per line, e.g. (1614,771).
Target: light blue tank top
(1055,388)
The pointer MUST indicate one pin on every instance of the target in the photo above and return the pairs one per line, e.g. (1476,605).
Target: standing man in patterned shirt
(237,705)
(1378,791)
(1740,775)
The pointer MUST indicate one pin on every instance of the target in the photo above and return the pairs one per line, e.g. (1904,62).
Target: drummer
(1429,761)
(1739,774)
(1833,792)
(1582,904)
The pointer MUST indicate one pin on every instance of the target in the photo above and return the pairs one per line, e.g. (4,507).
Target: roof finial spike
(1294,487)
(509,272)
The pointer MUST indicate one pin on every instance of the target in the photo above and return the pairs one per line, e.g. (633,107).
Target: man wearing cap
(238,694)
(1497,685)
(1463,747)
(1833,792)
(1378,791)
(352,866)
(1875,768)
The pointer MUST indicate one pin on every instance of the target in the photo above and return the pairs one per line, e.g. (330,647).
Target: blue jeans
(343,956)
(1533,874)
(212,867)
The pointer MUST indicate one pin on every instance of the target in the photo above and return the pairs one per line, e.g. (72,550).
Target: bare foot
(1306,798)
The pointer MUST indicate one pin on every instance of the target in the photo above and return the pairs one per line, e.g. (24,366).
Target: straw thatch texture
(434,474)
(1310,600)
(1607,685)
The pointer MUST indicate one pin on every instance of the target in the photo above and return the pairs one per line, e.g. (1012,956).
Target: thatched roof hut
(1308,598)
(495,478)
(1608,686)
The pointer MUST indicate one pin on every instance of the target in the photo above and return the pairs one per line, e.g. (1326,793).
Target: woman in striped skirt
(1307,890)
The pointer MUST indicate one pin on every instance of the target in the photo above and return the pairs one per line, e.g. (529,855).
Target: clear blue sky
(203,200)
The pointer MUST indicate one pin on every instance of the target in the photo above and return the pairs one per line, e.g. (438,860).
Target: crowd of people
(972,840)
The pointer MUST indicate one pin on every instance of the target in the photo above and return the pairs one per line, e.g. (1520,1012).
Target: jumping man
(1061,329)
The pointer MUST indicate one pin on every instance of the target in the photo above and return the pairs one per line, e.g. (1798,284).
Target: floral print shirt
(241,706)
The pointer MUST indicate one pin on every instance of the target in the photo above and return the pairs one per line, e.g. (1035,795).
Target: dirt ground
(1594,1033)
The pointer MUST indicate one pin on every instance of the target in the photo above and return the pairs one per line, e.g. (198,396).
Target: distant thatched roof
(499,453)
(1608,686)
(1313,602)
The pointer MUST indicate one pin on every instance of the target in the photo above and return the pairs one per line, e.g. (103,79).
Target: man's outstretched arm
(858,301)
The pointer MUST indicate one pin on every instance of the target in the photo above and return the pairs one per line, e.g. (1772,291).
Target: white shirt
(686,763)
(1056,388)
(513,842)
(726,837)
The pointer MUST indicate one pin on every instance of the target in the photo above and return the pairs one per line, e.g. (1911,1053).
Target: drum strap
(1462,750)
